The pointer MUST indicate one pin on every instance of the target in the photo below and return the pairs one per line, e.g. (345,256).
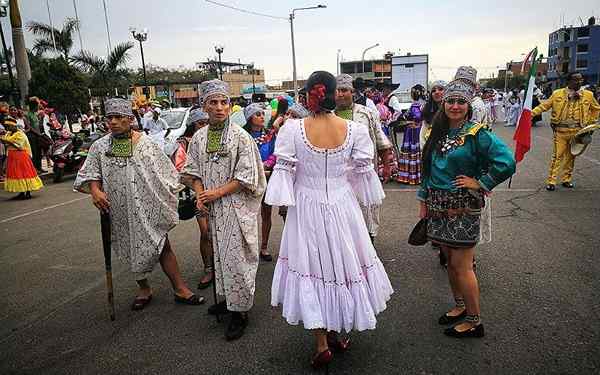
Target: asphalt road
(539,280)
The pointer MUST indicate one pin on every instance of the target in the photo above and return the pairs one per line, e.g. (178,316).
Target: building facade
(574,49)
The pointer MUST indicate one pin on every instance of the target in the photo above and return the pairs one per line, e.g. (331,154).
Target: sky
(483,34)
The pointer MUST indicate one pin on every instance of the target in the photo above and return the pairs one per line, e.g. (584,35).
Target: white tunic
(328,274)
(142,191)
(233,219)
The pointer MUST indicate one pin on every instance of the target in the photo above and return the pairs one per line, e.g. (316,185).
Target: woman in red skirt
(21,176)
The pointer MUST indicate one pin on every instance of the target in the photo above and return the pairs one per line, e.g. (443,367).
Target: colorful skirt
(21,175)
(409,159)
(454,217)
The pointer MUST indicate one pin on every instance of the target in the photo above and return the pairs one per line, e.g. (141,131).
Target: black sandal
(139,303)
(447,319)
(192,300)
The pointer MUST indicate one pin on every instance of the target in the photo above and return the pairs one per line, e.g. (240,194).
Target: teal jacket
(482,156)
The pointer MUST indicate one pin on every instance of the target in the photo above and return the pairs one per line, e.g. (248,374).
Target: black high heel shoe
(447,319)
(476,331)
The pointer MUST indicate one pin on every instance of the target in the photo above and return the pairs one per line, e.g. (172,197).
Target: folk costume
(328,275)
(21,175)
(571,111)
(471,150)
(364,116)
(141,184)
(217,155)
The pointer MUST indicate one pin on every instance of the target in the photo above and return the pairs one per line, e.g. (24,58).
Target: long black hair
(440,126)
(430,109)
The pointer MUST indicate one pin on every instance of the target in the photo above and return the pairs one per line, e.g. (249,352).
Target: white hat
(582,139)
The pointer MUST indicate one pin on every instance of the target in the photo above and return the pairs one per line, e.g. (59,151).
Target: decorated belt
(444,203)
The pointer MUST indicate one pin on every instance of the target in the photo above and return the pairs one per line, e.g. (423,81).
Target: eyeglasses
(459,101)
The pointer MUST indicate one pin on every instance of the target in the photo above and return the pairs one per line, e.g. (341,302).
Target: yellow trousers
(561,155)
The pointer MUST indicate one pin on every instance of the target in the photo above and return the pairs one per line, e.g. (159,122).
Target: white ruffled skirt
(328,275)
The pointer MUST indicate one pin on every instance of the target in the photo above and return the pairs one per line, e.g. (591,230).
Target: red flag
(522,134)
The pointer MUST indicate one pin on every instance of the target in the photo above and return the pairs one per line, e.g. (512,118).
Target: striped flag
(522,134)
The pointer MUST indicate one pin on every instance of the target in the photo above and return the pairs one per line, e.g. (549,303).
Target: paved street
(539,281)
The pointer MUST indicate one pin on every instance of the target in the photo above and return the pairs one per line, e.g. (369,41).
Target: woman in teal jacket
(462,162)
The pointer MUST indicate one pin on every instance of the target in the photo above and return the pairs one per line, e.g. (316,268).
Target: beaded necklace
(453,142)
(216,137)
(264,137)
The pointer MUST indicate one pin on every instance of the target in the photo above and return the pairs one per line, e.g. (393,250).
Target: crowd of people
(318,160)
(321,161)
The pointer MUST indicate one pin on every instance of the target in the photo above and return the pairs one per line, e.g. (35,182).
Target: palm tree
(45,33)
(105,72)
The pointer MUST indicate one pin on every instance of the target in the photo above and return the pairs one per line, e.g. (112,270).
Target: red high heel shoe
(339,345)
(321,359)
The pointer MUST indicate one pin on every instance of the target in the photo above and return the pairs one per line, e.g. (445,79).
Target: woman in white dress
(328,274)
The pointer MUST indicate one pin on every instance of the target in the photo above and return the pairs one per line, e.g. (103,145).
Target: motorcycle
(67,154)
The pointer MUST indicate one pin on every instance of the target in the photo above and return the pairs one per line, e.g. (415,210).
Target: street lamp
(292,16)
(142,36)
(3,13)
(219,50)
(363,55)
(251,66)
(338,62)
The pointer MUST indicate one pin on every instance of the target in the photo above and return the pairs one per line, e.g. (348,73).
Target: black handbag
(418,236)
(186,207)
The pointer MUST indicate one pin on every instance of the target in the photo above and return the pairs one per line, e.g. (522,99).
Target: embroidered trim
(323,151)
(335,282)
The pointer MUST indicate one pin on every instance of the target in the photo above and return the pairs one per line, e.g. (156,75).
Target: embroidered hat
(251,110)
(439,83)
(213,87)
(197,115)
(298,111)
(344,81)
(467,73)
(463,85)
(118,106)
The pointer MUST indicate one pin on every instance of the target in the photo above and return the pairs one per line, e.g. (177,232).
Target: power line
(246,11)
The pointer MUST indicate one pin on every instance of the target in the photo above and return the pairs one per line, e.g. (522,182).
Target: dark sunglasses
(458,101)
(261,114)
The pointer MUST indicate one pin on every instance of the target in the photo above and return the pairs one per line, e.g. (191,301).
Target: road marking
(597,162)
(41,210)
(499,190)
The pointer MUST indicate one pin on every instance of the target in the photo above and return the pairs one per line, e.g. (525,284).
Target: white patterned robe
(142,192)
(233,219)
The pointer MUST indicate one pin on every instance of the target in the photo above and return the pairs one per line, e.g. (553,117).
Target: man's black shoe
(568,185)
(218,309)
(550,187)
(237,325)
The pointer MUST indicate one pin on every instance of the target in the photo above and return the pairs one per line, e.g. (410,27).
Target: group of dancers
(319,163)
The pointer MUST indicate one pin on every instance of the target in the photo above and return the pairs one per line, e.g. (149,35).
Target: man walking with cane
(131,178)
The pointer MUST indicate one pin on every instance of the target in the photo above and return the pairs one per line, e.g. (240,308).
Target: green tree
(63,38)
(106,74)
(62,85)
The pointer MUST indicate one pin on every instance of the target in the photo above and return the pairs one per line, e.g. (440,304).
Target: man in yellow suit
(572,109)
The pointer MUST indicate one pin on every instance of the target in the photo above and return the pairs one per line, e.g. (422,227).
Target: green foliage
(514,81)
(63,86)
(106,74)
(47,36)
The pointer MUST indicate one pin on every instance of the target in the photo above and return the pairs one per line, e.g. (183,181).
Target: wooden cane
(214,283)
(105,225)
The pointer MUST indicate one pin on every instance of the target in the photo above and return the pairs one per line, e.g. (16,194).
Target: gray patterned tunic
(143,202)
(233,219)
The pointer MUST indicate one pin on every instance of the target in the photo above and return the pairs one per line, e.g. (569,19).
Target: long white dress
(328,274)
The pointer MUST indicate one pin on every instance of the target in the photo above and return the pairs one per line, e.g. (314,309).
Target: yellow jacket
(589,107)
(16,141)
